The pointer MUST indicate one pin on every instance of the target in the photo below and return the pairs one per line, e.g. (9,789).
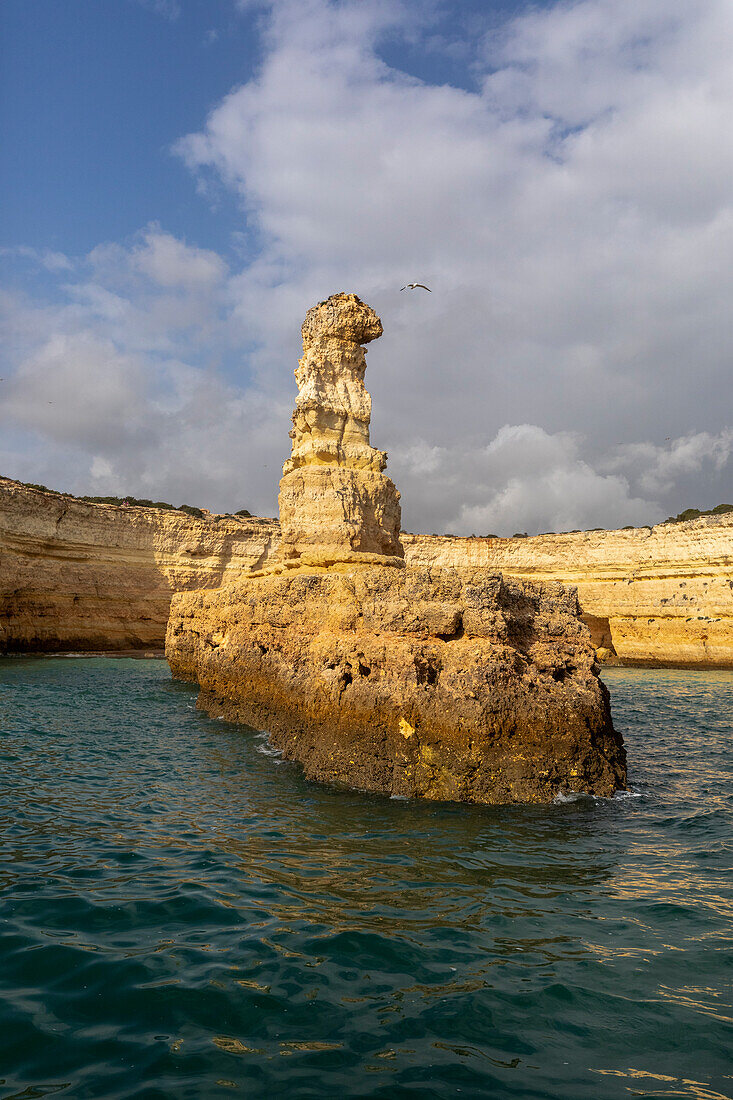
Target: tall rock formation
(336,504)
(421,682)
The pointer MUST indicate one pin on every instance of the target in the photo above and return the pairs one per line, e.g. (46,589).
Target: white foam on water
(562,799)
(263,745)
(572,796)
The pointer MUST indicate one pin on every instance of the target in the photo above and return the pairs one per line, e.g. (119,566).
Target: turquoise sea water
(184,916)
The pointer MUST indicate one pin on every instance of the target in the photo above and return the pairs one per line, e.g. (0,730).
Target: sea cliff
(650,595)
(76,575)
(81,576)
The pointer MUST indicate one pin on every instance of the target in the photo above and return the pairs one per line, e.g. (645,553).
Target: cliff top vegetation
(130,501)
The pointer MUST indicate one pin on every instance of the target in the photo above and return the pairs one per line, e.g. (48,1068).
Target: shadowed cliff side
(81,576)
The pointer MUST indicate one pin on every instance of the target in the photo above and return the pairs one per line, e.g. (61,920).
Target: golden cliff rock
(406,680)
(336,504)
(650,595)
(81,576)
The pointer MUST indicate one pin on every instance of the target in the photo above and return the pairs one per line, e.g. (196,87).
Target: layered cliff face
(75,575)
(336,504)
(409,681)
(82,576)
(660,595)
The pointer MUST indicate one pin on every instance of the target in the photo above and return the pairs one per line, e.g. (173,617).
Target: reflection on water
(185,915)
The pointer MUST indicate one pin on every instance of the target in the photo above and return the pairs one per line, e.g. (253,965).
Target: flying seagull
(414,286)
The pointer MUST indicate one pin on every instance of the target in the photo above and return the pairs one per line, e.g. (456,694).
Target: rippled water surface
(184,916)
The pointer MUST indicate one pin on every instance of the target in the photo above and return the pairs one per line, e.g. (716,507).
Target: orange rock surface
(660,595)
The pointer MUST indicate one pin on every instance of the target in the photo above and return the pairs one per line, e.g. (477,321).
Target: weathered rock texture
(82,576)
(661,595)
(410,682)
(335,503)
(406,681)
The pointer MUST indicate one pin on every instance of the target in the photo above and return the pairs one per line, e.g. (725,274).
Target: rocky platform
(411,682)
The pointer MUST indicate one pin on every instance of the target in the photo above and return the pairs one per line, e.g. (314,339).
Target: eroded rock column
(336,504)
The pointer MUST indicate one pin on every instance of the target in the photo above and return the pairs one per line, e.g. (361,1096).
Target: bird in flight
(414,286)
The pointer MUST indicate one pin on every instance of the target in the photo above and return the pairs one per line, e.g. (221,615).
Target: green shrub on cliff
(43,489)
(695,513)
(139,502)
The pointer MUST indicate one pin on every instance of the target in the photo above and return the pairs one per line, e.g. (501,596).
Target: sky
(182,181)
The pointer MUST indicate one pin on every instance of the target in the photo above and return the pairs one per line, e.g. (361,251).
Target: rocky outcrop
(81,576)
(650,595)
(411,682)
(336,504)
(434,683)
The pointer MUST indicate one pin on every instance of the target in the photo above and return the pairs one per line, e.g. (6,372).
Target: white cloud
(658,469)
(523,480)
(573,215)
(120,385)
(574,218)
(79,390)
(45,257)
(172,263)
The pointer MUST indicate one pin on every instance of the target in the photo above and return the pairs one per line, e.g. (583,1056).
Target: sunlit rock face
(336,504)
(651,595)
(414,682)
(410,682)
(75,575)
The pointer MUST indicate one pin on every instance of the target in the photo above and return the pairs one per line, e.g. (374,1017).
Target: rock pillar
(336,504)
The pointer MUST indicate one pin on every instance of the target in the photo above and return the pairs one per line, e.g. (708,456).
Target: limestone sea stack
(438,683)
(336,504)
